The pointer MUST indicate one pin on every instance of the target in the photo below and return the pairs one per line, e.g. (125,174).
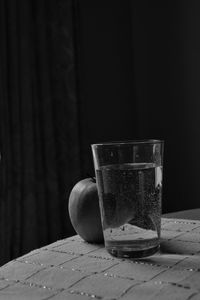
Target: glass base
(126,252)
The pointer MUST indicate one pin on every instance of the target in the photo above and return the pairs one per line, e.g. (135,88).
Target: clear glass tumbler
(129,182)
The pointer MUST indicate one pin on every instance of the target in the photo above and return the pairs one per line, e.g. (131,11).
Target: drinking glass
(129,183)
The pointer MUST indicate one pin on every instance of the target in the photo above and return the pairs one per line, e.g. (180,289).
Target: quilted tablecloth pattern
(76,270)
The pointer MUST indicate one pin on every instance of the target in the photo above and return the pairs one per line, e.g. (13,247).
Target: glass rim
(129,142)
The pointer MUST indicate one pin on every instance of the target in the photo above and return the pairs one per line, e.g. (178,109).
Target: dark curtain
(136,67)
(166,64)
(39,128)
(140,78)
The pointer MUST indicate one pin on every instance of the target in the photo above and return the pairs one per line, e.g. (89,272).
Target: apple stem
(92,177)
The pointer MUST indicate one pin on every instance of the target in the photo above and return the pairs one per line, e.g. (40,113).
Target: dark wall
(140,78)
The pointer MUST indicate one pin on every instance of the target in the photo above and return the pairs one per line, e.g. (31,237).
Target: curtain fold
(39,131)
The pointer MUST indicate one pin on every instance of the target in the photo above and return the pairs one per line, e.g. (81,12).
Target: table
(75,270)
(190,214)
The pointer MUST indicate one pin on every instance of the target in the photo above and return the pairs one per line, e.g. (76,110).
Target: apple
(84,211)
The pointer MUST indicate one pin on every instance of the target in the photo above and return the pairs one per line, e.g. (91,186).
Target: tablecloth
(76,270)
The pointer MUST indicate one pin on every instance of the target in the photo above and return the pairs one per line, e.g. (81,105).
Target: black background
(139,78)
